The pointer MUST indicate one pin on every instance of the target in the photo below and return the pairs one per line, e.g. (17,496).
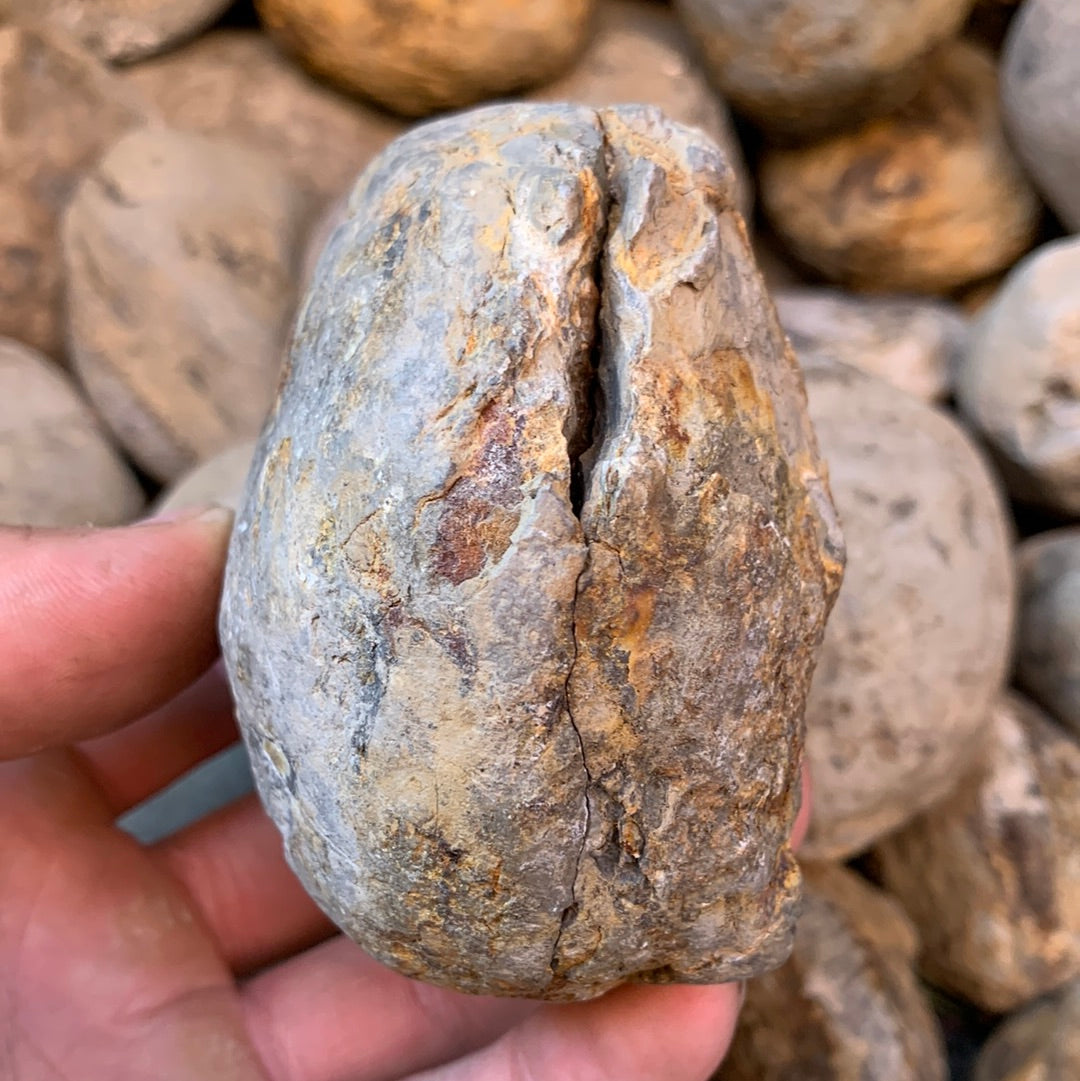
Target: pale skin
(201,957)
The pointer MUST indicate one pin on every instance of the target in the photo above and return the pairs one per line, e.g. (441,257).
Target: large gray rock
(1040,93)
(520,646)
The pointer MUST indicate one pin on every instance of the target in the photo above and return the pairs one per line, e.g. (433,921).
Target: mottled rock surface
(525,593)
(1040,1044)
(847,1006)
(235,83)
(1040,94)
(61,108)
(419,56)
(918,645)
(924,200)
(218,480)
(639,53)
(1048,633)
(911,342)
(1019,382)
(121,30)
(57,466)
(802,68)
(182,253)
(991,876)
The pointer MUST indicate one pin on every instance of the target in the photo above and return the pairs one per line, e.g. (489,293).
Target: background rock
(218,480)
(1040,1044)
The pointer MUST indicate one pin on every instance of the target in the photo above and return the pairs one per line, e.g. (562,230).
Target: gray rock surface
(1048,633)
(918,644)
(1040,94)
(1019,381)
(526,590)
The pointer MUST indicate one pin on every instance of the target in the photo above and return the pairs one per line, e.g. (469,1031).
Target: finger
(636,1033)
(232,866)
(99,627)
(132,764)
(335,1014)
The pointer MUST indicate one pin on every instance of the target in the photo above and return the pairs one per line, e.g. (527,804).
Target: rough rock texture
(918,644)
(803,68)
(218,480)
(1019,382)
(236,83)
(991,875)
(182,252)
(639,53)
(923,201)
(57,467)
(1040,93)
(1048,631)
(524,597)
(911,342)
(1040,1044)
(419,56)
(847,1006)
(60,108)
(121,30)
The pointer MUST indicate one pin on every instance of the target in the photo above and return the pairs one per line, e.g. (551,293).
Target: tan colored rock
(847,1006)
(182,252)
(911,342)
(1040,1044)
(424,55)
(219,480)
(1048,632)
(1019,380)
(57,466)
(121,30)
(520,645)
(61,108)
(925,200)
(639,53)
(991,875)
(235,83)
(805,68)
(918,644)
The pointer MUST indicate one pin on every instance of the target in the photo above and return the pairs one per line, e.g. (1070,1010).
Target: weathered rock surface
(520,647)
(424,55)
(121,30)
(803,68)
(57,466)
(847,1006)
(182,252)
(1048,634)
(235,83)
(991,876)
(639,53)
(218,480)
(917,647)
(61,108)
(1040,93)
(924,201)
(1040,1044)
(1019,381)
(911,342)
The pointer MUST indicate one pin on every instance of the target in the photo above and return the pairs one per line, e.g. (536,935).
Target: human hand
(201,957)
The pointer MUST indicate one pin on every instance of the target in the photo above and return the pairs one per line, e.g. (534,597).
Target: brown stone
(57,466)
(235,83)
(847,1006)
(1042,1043)
(121,30)
(925,200)
(182,253)
(918,644)
(805,68)
(525,594)
(61,108)
(419,56)
(990,875)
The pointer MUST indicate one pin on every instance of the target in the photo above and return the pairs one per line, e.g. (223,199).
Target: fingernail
(210,513)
